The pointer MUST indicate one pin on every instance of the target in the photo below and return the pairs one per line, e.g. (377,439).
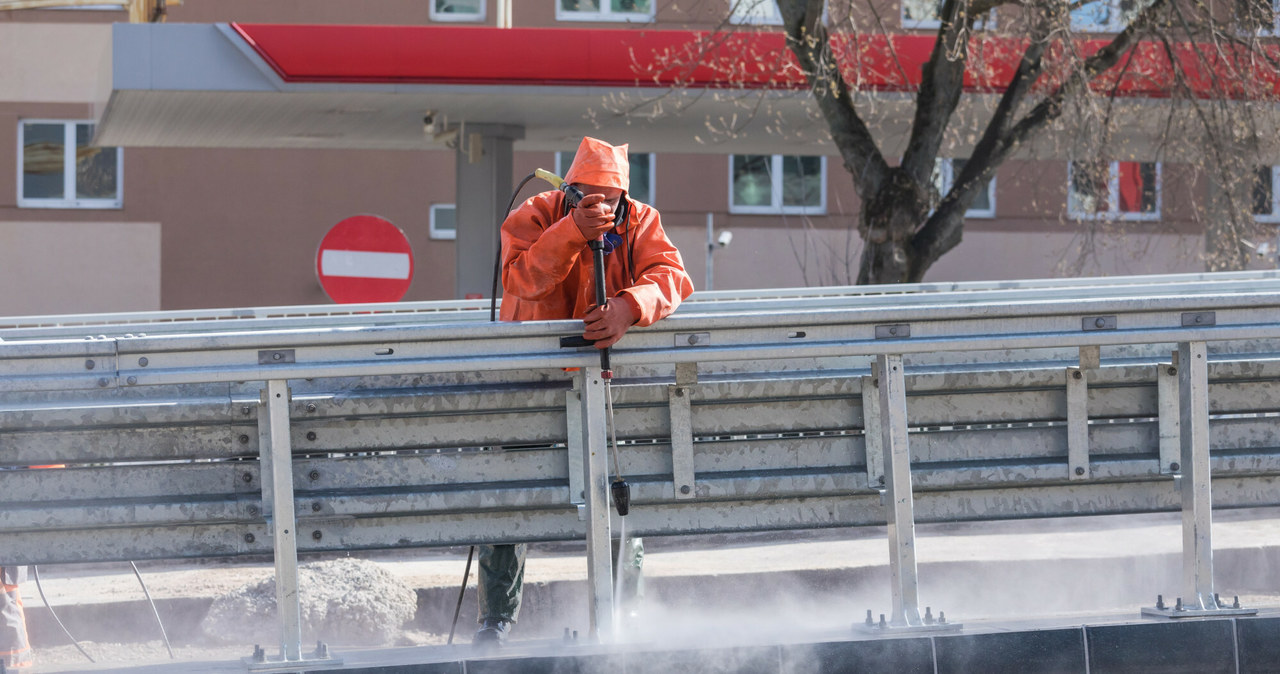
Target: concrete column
(484,167)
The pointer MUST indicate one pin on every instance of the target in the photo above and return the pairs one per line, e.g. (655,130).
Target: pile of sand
(343,601)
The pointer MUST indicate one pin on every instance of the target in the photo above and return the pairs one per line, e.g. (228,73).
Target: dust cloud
(343,601)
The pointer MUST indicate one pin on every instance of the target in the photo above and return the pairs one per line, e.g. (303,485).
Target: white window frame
(1116,23)
(457,18)
(562,168)
(1113,211)
(946,168)
(95,8)
(741,13)
(1274,216)
(605,13)
(934,24)
(69,199)
(434,231)
(775,192)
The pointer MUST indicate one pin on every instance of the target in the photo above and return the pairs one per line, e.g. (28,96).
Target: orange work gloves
(593,216)
(606,325)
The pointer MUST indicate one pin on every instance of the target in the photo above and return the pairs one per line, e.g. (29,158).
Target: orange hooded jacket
(546,269)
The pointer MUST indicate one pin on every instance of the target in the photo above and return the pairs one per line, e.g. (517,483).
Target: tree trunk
(887,223)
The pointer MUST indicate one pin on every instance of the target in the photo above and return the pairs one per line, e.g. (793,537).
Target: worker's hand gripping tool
(619,488)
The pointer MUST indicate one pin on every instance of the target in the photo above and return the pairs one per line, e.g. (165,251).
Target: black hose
(36,572)
(497,256)
(153,611)
(466,575)
(493,316)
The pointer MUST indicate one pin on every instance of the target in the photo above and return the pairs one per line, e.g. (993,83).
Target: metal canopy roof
(199,85)
(370,87)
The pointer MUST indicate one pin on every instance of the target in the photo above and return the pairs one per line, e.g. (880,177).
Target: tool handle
(575,341)
(597,260)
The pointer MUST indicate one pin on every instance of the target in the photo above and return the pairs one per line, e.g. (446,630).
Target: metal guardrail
(983,404)
(786,299)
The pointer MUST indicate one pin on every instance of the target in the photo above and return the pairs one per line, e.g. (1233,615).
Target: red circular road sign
(364,258)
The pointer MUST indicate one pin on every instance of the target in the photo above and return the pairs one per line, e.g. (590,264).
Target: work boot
(492,632)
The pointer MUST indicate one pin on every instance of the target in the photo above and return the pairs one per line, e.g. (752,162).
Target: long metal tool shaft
(606,372)
(619,488)
(613,431)
(602,299)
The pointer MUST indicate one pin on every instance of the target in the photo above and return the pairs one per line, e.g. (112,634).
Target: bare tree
(1210,63)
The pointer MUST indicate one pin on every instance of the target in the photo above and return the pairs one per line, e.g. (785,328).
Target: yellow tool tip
(548,176)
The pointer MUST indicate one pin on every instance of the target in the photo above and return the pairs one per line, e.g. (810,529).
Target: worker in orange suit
(547,274)
(15,648)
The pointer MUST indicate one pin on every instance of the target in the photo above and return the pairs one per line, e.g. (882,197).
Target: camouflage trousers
(501,581)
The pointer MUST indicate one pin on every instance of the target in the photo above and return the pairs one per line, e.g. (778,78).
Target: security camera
(725,238)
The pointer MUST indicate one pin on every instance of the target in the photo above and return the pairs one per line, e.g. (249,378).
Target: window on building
(643,171)
(1266,208)
(761,183)
(928,13)
(1105,16)
(1259,17)
(59,168)
(755,12)
(604,10)
(945,171)
(1127,190)
(444,221)
(457,10)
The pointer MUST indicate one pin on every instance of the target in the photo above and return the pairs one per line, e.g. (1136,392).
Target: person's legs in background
(15,649)
(500,585)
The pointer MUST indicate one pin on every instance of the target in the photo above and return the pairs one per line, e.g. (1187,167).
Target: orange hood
(600,164)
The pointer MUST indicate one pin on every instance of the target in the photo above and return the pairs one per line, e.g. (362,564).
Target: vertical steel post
(901,506)
(595,461)
(278,457)
(1197,492)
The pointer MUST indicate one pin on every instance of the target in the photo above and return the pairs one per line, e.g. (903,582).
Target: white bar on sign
(364,264)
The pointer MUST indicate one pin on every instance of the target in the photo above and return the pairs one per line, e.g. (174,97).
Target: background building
(90,229)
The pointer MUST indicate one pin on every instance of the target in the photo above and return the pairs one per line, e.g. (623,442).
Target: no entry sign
(364,258)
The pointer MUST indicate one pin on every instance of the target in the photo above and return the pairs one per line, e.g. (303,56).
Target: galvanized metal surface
(785,299)
(900,504)
(1197,492)
(598,528)
(284,528)
(421,434)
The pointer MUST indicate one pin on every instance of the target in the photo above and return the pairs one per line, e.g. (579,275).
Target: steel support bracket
(681,413)
(278,666)
(871,433)
(1077,424)
(927,624)
(1168,418)
(1175,613)
(573,444)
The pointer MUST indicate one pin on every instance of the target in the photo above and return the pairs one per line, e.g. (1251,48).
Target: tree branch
(942,232)
(941,84)
(808,40)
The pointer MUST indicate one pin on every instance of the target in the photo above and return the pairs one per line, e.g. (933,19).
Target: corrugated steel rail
(854,409)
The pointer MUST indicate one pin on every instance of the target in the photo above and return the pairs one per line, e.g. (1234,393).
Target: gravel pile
(343,601)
